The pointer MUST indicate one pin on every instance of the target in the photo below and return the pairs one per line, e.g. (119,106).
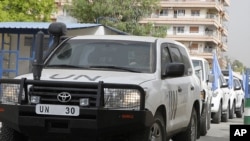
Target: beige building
(199,24)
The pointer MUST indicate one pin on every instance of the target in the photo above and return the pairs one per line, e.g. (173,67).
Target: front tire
(225,116)
(217,116)
(9,134)
(158,129)
(240,112)
(209,117)
(232,111)
(204,119)
(191,133)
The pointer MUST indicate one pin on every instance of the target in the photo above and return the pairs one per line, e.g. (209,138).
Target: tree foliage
(238,66)
(121,14)
(235,64)
(26,10)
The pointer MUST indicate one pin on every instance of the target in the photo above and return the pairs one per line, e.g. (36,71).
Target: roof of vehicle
(127,37)
(235,74)
(198,58)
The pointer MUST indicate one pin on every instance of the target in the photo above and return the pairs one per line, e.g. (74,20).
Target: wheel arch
(162,109)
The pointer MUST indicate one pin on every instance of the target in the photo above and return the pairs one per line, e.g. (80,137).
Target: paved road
(217,132)
(220,132)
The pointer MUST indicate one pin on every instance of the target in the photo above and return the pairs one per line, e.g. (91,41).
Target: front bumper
(91,123)
(215,104)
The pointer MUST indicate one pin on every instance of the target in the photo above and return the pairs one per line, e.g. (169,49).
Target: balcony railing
(159,16)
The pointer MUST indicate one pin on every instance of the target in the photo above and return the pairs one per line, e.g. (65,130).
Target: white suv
(240,97)
(102,87)
(202,70)
(220,102)
(237,96)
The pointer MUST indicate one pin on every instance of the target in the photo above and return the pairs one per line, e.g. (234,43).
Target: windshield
(105,54)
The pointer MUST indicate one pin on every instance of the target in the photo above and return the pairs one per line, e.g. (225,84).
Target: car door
(238,91)
(179,88)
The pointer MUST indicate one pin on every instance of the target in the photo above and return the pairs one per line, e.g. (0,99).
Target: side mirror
(174,70)
(224,85)
(237,87)
(198,72)
(210,78)
(197,68)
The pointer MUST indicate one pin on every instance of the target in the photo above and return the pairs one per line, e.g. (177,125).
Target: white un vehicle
(202,70)
(238,95)
(111,87)
(220,107)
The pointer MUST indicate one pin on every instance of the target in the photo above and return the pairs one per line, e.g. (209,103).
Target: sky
(239,31)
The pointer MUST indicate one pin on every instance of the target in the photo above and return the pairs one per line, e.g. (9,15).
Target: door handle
(192,88)
(179,89)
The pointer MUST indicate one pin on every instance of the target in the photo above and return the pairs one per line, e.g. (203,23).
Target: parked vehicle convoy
(103,87)
(238,98)
(202,69)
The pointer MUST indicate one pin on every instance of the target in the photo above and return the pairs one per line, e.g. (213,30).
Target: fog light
(35,99)
(84,102)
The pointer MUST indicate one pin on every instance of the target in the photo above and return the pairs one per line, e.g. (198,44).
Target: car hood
(93,76)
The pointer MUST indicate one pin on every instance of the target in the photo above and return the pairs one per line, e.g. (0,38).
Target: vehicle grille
(48,94)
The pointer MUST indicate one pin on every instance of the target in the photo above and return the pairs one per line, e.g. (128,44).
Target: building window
(194,47)
(195,12)
(180,29)
(29,40)
(181,12)
(194,29)
(164,12)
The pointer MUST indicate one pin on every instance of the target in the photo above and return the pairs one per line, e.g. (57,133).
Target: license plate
(62,110)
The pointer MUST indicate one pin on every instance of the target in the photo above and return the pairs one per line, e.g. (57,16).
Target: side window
(236,83)
(207,70)
(176,55)
(165,58)
(222,80)
(179,54)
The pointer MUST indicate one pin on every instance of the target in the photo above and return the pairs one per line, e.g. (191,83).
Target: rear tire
(9,134)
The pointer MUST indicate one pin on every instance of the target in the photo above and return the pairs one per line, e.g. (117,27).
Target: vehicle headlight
(122,98)
(9,93)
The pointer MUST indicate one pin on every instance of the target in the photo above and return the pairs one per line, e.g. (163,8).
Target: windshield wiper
(116,67)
